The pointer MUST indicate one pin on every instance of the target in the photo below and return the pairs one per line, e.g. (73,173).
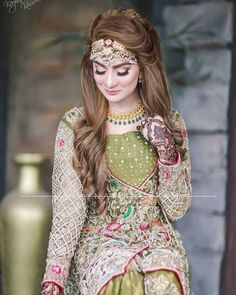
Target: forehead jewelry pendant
(109,49)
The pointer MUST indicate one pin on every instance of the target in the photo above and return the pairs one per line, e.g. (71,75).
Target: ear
(140,76)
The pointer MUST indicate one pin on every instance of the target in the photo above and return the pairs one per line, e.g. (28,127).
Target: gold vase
(26,216)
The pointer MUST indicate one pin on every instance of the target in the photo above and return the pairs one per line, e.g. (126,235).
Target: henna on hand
(154,130)
(49,288)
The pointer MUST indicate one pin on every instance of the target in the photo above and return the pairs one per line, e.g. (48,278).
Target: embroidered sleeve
(174,188)
(68,203)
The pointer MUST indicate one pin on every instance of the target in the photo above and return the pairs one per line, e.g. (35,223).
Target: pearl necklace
(127,118)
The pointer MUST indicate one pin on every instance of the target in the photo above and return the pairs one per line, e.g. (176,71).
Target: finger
(145,133)
(144,123)
(139,128)
(158,117)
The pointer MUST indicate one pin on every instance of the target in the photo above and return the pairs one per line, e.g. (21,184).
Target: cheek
(129,80)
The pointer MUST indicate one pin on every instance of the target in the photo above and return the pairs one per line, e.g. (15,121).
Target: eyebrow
(114,67)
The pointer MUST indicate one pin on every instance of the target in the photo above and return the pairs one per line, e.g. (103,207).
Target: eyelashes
(119,74)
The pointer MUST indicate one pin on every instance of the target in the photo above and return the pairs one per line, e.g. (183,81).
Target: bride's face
(118,80)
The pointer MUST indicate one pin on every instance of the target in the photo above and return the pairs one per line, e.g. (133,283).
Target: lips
(112,92)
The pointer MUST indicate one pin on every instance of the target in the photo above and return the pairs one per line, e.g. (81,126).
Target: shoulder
(64,137)
(72,115)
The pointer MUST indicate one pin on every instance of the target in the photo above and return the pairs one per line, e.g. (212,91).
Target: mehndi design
(155,130)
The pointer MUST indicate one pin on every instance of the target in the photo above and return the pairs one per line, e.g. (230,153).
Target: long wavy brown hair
(132,29)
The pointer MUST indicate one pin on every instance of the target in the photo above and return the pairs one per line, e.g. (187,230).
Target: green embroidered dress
(124,251)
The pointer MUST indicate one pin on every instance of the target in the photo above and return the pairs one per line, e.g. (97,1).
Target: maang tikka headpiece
(108,50)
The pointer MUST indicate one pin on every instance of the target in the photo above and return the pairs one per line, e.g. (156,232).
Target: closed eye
(118,73)
(99,72)
(123,73)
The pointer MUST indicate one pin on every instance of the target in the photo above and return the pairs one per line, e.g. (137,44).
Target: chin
(113,98)
(110,99)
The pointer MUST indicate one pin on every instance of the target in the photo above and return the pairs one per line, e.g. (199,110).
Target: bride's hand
(50,289)
(155,131)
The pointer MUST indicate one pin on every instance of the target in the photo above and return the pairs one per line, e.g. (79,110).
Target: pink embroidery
(56,269)
(143,227)
(99,229)
(184,132)
(113,226)
(166,174)
(61,142)
(165,233)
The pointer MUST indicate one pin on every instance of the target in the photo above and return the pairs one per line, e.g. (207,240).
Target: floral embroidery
(132,210)
(128,212)
(156,222)
(56,269)
(61,142)
(146,201)
(114,184)
(99,229)
(162,284)
(113,226)
(165,233)
(166,174)
(143,227)
(184,132)
(87,229)
(94,249)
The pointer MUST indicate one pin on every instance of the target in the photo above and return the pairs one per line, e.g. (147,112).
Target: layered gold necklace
(127,118)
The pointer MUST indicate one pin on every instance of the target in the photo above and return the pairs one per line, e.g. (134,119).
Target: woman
(121,172)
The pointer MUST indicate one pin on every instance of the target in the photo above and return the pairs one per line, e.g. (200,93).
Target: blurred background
(41,44)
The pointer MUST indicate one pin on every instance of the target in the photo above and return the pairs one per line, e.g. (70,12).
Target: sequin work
(86,250)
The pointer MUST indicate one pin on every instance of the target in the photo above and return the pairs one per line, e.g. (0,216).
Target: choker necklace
(127,118)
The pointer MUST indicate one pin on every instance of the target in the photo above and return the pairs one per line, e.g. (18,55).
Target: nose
(110,80)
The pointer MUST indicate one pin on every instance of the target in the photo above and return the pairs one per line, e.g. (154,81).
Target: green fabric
(129,283)
(130,157)
(132,283)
